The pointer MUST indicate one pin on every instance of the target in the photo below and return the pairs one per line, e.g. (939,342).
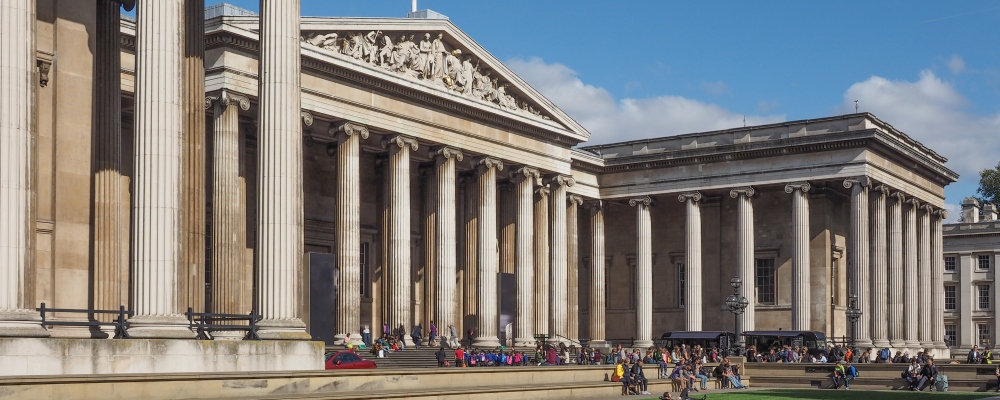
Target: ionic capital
(861,181)
(880,190)
(349,129)
(400,141)
(800,186)
(574,199)
(447,153)
(520,174)
(913,202)
(900,197)
(644,201)
(226,98)
(562,180)
(488,163)
(598,205)
(693,196)
(307,117)
(543,192)
(942,213)
(746,191)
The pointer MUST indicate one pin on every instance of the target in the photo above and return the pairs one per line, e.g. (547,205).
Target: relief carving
(429,60)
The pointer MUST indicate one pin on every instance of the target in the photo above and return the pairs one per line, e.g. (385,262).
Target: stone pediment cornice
(508,102)
(879,140)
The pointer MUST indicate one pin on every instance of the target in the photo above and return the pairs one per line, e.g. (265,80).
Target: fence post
(42,309)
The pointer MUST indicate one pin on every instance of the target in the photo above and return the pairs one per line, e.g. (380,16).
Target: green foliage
(989,185)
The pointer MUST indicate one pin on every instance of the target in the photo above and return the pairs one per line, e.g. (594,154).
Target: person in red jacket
(459,357)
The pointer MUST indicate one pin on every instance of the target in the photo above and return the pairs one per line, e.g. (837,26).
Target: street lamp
(853,315)
(737,305)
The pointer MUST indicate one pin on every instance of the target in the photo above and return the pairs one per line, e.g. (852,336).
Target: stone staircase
(423,357)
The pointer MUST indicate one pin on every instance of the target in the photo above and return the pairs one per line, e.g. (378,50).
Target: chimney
(970,210)
(989,212)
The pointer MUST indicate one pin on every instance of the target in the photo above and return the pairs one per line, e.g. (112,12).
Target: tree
(989,185)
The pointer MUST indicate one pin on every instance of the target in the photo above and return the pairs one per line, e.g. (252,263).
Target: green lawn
(820,394)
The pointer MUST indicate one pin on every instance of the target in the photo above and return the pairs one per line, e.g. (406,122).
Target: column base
(525,342)
(22,323)
(486,341)
(929,344)
(282,329)
(897,344)
(599,343)
(863,344)
(642,344)
(159,327)
(881,344)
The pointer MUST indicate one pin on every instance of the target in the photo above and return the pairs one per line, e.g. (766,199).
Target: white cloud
(934,113)
(611,120)
(956,64)
(954,212)
(716,88)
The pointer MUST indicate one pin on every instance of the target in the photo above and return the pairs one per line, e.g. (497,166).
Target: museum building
(332,174)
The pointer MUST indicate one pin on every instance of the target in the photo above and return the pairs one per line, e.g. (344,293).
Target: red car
(348,360)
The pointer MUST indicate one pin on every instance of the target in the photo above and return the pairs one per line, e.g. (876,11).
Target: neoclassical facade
(336,173)
(971,257)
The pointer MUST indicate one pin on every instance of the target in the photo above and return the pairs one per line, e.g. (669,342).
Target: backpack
(853,371)
(883,355)
(609,359)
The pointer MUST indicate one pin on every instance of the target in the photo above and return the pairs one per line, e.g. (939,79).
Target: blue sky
(629,68)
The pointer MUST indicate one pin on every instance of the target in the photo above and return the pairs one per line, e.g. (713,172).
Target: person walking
(432,332)
(366,336)
(452,336)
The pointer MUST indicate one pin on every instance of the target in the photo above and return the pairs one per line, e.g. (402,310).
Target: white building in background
(971,256)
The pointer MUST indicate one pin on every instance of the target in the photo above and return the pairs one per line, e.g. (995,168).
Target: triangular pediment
(437,55)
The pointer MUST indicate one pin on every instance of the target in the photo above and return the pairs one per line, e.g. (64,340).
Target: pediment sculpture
(431,60)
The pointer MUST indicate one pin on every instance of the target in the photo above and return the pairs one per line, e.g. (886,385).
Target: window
(765,280)
(950,336)
(984,262)
(949,263)
(985,335)
(984,297)
(949,297)
(681,271)
(365,279)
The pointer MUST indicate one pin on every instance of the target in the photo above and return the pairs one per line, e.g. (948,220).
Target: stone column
(558,299)
(398,299)
(159,132)
(110,274)
(911,295)
(643,273)
(524,323)
(447,254)
(231,292)
(857,255)
(488,261)
(348,222)
(470,300)
(937,280)
(191,270)
(745,249)
(573,268)
(597,279)
(279,177)
(801,302)
(896,333)
(542,273)
(878,315)
(924,275)
(17,315)
(692,255)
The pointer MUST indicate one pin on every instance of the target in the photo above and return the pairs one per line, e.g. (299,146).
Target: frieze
(430,60)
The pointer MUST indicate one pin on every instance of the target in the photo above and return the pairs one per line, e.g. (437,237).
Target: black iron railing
(118,323)
(205,323)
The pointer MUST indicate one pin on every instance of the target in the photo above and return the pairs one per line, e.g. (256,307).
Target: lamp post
(737,305)
(853,315)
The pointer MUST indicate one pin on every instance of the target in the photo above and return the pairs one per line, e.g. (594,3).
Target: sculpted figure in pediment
(413,55)
(440,54)
(465,77)
(452,69)
(386,52)
(426,58)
